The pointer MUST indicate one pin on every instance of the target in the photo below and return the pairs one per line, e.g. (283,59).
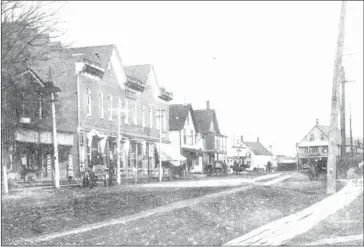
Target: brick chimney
(257,139)
(317,121)
(241,138)
(208,104)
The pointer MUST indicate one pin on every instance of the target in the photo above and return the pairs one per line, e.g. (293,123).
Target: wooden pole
(343,114)
(351,144)
(331,161)
(55,144)
(118,140)
(160,144)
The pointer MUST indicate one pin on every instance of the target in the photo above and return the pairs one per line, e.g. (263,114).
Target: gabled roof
(204,119)
(178,114)
(257,148)
(140,72)
(99,54)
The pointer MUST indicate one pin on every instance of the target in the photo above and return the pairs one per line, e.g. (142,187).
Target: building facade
(314,146)
(214,143)
(184,135)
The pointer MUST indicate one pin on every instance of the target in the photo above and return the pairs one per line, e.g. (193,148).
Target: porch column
(136,161)
(70,166)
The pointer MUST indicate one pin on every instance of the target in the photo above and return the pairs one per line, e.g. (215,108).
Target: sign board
(22,135)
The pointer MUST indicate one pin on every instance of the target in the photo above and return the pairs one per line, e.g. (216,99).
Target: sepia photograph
(182,123)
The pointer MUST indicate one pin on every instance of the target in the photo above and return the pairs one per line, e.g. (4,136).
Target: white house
(184,136)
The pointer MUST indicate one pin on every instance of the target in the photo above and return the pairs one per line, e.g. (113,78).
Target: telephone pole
(343,116)
(55,143)
(331,160)
(351,138)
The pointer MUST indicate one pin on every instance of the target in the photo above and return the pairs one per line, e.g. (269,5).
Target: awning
(168,153)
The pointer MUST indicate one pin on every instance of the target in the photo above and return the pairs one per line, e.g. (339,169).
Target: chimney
(257,139)
(317,121)
(241,138)
(208,104)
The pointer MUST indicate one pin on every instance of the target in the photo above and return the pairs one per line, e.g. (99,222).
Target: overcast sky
(266,67)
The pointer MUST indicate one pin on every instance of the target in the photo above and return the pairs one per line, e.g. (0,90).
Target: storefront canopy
(168,153)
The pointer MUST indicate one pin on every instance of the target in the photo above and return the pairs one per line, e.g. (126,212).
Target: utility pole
(118,138)
(351,141)
(343,116)
(55,144)
(331,161)
(160,143)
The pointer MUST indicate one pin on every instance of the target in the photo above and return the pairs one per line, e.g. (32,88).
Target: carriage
(217,167)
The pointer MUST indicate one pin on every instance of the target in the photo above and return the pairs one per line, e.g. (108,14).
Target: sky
(265,67)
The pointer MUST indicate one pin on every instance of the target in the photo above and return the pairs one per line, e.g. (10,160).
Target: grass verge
(41,212)
(210,223)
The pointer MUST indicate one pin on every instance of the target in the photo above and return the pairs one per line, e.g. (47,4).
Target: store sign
(45,137)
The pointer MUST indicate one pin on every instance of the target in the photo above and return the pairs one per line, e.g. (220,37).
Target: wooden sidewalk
(281,231)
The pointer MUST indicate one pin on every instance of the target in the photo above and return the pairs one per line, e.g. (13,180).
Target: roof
(99,54)
(257,148)
(326,131)
(140,72)
(204,118)
(178,114)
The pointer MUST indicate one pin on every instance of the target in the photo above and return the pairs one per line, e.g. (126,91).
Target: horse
(175,170)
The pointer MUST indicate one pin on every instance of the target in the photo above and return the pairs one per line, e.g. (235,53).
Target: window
(135,122)
(312,137)
(188,119)
(314,150)
(110,107)
(88,102)
(159,116)
(324,150)
(101,105)
(40,108)
(164,121)
(126,120)
(118,106)
(150,117)
(184,137)
(143,116)
(322,137)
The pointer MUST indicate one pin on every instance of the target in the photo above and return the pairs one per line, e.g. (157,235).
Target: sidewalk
(281,231)
(147,213)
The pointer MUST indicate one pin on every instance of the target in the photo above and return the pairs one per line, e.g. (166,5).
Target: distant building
(184,136)
(314,145)
(286,163)
(214,143)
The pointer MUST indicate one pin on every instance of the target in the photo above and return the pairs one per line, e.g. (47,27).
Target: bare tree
(27,30)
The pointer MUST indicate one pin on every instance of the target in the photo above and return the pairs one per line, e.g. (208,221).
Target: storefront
(33,154)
